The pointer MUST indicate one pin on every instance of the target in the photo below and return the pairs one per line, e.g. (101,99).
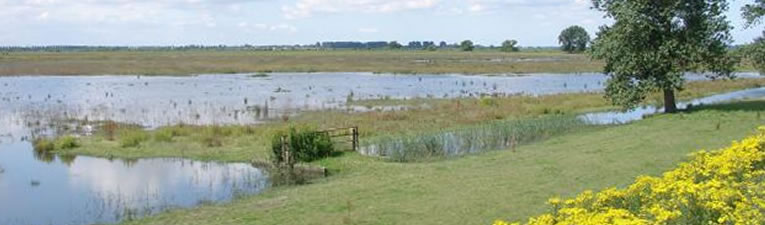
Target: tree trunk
(669,101)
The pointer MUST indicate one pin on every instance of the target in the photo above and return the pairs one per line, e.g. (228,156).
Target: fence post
(286,154)
(355,131)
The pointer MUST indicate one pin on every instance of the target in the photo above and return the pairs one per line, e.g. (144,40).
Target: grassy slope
(196,62)
(480,188)
(243,146)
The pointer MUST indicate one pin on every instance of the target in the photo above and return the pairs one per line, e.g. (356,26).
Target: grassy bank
(243,143)
(200,62)
(480,188)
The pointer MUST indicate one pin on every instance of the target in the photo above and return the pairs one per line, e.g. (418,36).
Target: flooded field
(48,189)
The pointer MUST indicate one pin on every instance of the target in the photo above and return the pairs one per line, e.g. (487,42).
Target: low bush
(719,187)
(305,144)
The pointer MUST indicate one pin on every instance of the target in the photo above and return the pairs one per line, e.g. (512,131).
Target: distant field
(201,62)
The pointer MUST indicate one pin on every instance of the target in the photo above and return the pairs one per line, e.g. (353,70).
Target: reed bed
(490,136)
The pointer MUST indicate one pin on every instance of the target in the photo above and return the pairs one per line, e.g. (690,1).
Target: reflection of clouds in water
(13,127)
(156,181)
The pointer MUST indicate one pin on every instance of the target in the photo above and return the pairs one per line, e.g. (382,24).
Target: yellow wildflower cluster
(719,187)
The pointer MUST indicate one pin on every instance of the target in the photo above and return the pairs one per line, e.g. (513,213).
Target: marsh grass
(164,135)
(43,145)
(470,139)
(132,138)
(66,142)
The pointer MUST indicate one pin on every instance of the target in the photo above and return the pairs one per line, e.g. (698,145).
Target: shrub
(305,144)
(66,142)
(719,187)
(133,138)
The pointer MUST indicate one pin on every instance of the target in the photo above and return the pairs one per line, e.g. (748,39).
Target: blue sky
(262,22)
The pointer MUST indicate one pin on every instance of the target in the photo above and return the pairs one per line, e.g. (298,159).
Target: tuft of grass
(212,136)
(66,142)
(43,145)
(132,138)
(164,135)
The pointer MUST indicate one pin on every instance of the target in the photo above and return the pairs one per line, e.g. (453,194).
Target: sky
(286,22)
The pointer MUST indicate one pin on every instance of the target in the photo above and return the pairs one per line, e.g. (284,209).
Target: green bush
(66,142)
(133,138)
(305,144)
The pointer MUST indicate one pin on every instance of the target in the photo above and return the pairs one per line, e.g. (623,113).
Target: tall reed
(489,136)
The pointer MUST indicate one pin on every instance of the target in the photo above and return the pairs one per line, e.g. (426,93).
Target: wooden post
(355,136)
(286,154)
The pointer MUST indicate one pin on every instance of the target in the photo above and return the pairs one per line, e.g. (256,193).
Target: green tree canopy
(652,43)
(510,46)
(753,14)
(573,39)
(467,45)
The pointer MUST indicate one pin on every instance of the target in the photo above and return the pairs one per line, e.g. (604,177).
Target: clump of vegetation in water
(133,138)
(261,74)
(61,143)
(66,142)
(305,145)
(43,145)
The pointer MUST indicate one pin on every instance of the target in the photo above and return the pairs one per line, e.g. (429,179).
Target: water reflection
(85,190)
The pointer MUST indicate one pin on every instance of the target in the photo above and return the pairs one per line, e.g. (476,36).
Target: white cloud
(306,8)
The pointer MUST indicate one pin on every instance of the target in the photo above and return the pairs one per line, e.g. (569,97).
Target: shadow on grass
(750,105)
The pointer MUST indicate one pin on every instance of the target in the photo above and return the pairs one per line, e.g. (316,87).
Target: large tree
(574,39)
(753,14)
(652,43)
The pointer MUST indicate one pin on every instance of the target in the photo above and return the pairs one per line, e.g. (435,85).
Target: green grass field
(478,189)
